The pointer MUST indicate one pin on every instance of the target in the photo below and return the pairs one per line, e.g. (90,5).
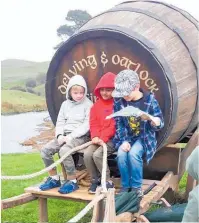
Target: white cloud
(29,26)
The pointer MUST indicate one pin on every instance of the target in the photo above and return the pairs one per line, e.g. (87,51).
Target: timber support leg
(43,210)
(98,210)
(110,214)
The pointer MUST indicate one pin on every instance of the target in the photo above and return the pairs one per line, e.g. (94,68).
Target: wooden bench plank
(17,200)
(81,194)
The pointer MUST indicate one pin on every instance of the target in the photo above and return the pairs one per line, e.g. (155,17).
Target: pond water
(17,128)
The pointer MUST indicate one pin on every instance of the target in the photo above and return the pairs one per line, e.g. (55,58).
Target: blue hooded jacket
(147,131)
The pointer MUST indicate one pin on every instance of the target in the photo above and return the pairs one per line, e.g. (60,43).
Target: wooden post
(142,218)
(43,210)
(191,145)
(98,210)
(124,217)
(17,200)
(110,214)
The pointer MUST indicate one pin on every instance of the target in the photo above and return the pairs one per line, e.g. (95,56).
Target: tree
(75,19)
(41,78)
(30,83)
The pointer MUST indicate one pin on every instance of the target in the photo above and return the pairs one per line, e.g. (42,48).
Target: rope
(103,179)
(104,189)
(104,168)
(29,176)
(83,212)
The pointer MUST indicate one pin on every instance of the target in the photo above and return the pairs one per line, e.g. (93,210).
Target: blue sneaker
(93,187)
(68,187)
(50,183)
(109,184)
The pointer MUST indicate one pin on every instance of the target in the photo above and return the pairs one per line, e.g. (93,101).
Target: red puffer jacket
(99,126)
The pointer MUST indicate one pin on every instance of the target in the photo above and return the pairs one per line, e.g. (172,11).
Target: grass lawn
(19,164)
(14,101)
(58,210)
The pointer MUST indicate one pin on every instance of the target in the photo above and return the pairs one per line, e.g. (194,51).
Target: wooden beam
(142,218)
(124,217)
(177,145)
(191,145)
(43,210)
(17,200)
(79,195)
(96,210)
(156,193)
(110,214)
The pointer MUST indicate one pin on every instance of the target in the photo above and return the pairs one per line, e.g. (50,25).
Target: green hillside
(23,86)
(13,70)
(40,89)
(13,101)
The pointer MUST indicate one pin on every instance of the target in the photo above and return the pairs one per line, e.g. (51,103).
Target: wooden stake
(43,210)
(110,214)
(98,208)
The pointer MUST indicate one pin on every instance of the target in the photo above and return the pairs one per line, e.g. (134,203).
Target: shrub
(30,83)
(19,88)
(41,78)
(30,90)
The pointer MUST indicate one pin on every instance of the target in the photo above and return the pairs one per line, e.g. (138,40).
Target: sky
(28,27)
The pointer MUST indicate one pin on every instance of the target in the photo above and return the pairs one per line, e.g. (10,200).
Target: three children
(133,138)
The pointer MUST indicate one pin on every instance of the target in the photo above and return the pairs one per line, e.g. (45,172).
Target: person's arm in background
(191,213)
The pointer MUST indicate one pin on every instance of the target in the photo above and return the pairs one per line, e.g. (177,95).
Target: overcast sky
(28,29)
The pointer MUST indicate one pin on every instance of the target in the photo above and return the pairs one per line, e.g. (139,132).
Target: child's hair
(75,87)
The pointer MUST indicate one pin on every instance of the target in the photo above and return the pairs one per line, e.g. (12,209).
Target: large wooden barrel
(157,40)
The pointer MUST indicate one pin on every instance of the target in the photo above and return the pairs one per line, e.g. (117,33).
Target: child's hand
(95,140)
(126,146)
(100,142)
(145,117)
(155,121)
(61,139)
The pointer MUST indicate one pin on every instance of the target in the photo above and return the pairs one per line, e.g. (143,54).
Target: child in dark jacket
(102,131)
(135,137)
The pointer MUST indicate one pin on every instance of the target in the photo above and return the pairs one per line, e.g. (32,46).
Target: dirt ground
(46,132)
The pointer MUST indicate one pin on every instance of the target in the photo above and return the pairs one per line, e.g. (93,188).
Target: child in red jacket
(102,131)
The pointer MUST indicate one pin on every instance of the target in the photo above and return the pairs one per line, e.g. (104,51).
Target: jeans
(130,165)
